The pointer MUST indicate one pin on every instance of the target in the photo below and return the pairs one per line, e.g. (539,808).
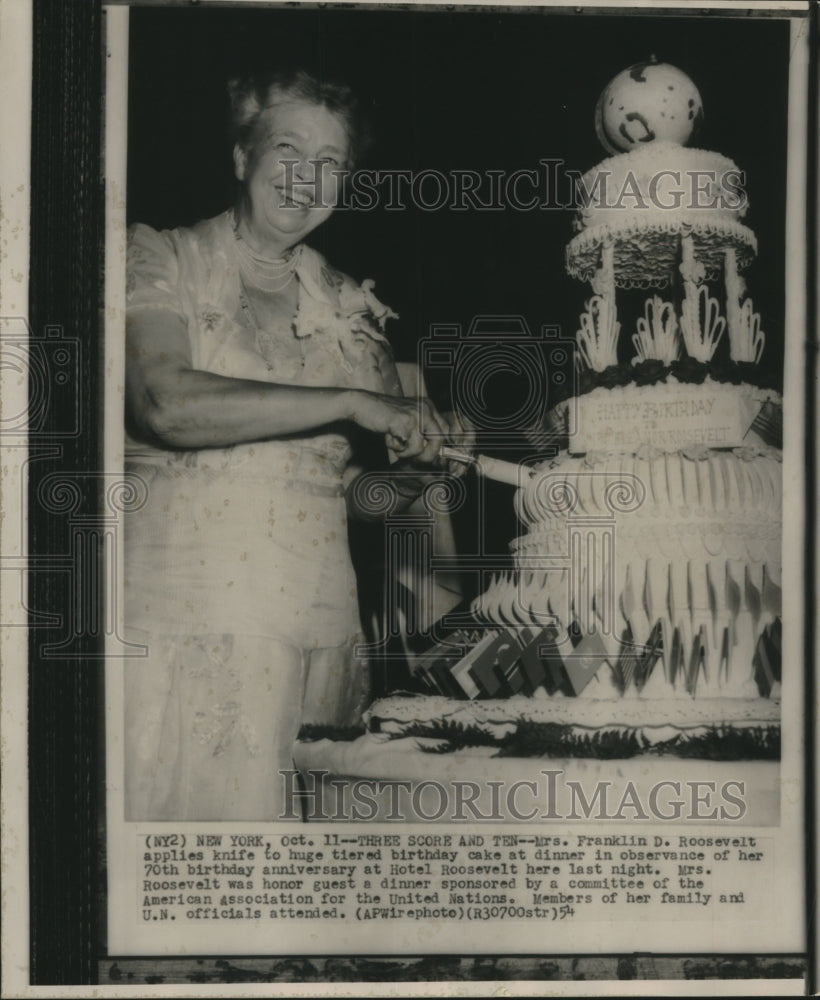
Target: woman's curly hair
(251,95)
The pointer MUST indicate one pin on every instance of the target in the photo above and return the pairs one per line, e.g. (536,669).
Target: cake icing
(659,521)
(642,613)
(689,540)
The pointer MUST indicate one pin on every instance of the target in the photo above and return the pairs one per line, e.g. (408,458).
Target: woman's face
(288,174)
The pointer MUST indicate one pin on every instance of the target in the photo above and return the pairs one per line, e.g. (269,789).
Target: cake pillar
(734,293)
(701,323)
(606,274)
(598,333)
(690,325)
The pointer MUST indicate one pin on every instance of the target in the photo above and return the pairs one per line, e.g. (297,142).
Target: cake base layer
(655,720)
(378,780)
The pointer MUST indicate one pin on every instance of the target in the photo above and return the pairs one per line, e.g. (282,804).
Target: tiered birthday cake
(642,613)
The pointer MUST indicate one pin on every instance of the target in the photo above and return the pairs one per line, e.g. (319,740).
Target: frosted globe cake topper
(648,102)
(659,214)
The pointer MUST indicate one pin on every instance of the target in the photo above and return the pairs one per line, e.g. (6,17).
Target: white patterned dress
(237,570)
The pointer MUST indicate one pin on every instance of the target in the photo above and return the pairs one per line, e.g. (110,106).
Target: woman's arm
(170,403)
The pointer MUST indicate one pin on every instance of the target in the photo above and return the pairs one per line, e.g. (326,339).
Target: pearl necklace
(262,273)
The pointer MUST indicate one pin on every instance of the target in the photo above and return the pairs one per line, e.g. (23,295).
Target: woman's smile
(291,198)
(290,174)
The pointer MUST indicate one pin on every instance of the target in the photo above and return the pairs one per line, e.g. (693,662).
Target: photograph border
(66,811)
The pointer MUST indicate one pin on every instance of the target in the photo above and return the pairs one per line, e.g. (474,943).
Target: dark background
(456,90)
(447,89)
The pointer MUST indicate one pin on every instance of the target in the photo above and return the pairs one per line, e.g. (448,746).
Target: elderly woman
(251,367)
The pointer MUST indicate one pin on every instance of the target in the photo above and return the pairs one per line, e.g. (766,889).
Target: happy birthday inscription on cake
(668,417)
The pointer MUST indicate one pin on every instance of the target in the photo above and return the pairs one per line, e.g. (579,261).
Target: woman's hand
(412,426)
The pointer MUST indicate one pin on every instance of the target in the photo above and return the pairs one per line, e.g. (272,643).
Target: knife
(489,468)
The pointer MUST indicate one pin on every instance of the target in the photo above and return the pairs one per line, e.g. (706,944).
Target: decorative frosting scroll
(657,337)
(746,338)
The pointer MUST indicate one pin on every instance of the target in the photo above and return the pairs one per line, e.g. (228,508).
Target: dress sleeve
(152,271)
